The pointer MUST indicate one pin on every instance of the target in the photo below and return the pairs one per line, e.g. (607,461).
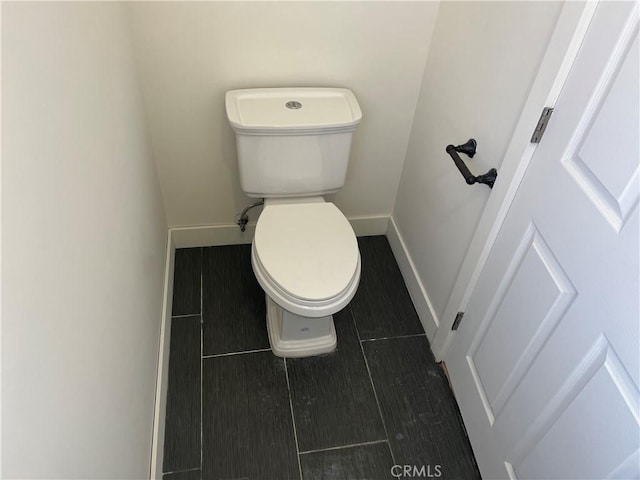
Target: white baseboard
(418,294)
(367,226)
(211,235)
(215,235)
(162,380)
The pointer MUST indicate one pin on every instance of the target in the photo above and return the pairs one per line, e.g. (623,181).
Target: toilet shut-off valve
(243,218)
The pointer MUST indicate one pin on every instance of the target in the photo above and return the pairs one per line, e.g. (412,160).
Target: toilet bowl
(305,257)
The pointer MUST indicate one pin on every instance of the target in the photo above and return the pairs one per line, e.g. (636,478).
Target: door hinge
(456,322)
(542,125)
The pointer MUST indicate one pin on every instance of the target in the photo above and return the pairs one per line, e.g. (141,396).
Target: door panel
(566,439)
(596,144)
(545,365)
(521,341)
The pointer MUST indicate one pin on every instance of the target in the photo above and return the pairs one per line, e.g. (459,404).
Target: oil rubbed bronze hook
(469,149)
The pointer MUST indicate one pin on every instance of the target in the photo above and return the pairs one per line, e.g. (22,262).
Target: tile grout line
(182,471)
(390,338)
(186,315)
(215,355)
(375,442)
(293,419)
(201,359)
(373,387)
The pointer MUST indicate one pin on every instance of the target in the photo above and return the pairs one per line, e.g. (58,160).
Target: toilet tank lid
(294,110)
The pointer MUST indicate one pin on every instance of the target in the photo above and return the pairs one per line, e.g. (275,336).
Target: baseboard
(216,235)
(162,379)
(211,235)
(368,226)
(418,293)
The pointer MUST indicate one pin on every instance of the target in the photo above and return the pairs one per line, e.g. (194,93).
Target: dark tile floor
(235,411)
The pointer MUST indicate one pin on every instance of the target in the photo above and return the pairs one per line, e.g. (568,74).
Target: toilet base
(292,335)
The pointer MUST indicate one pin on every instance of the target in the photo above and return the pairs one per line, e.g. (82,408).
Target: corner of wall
(418,294)
(431,26)
(126,8)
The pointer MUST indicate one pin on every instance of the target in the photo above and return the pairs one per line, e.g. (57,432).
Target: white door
(545,365)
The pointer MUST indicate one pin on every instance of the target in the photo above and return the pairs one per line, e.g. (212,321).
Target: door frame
(554,69)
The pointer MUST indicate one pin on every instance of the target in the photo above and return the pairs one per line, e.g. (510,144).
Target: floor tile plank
(369,462)
(182,425)
(247,426)
(333,400)
(186,281)
(234,304)
(382,306)
(419,410)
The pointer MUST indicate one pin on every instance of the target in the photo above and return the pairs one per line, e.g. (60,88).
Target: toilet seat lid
(308,249)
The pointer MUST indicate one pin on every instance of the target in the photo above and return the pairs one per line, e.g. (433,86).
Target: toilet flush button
(293,105)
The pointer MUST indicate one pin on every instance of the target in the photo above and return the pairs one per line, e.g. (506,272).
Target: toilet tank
(292,142)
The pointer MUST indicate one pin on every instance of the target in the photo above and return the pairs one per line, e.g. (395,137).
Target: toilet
(293,148)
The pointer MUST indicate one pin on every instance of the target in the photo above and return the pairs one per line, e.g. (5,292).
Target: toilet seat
(306,258)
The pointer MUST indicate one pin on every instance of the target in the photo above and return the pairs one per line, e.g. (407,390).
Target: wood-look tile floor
(236,411)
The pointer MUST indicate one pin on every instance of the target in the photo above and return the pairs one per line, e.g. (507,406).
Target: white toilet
(293,147)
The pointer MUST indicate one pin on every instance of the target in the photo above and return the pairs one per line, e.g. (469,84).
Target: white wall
(84,240)
(482,62)
(191,53)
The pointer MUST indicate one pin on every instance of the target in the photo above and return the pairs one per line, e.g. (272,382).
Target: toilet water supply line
(243,219)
